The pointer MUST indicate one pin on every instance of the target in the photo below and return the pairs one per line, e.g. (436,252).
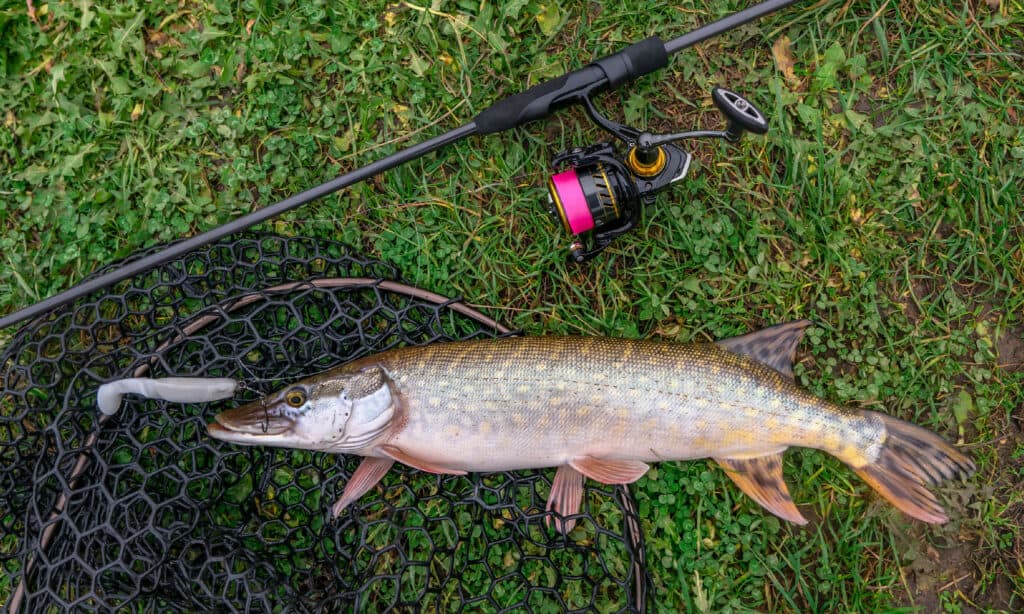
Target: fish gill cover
(145,509)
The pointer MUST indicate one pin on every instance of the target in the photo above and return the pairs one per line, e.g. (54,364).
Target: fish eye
(296,397)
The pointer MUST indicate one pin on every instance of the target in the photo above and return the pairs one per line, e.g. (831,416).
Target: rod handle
(542,99)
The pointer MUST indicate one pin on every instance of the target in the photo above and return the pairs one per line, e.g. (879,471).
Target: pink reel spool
(571,202)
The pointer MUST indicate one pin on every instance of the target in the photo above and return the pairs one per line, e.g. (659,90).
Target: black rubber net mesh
(145,511)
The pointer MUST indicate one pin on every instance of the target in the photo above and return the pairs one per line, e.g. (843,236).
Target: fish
(598,408)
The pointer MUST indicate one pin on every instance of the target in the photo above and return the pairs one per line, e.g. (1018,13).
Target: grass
(885,203)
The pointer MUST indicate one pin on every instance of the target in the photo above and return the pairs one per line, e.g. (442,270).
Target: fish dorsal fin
(774,346)
(565,499)
(609,471)
(760,478)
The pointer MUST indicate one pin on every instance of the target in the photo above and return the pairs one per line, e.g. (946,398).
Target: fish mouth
(249,423)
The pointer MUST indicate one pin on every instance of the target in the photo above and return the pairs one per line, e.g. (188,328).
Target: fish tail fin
(910,458)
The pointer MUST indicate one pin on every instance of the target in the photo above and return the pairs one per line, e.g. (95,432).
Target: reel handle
(740,113)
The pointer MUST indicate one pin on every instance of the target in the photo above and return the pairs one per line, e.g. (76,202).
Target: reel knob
(740,113)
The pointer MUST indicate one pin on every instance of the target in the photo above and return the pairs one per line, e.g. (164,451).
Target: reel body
(600,194)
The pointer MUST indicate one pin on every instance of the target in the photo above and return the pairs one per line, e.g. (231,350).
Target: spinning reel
(600,194)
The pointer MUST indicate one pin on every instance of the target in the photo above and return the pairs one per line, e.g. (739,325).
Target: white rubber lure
(175,389)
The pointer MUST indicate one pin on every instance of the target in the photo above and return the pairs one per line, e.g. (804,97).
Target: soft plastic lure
(175,389)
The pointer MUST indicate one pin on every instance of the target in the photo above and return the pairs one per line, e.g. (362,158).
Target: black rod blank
(725,24)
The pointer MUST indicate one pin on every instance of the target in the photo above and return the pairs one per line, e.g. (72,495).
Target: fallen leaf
(137,111)
(549,19)
(31,8)
(962,407)
(914,195)
(403,113)
(784,60)
(418,65)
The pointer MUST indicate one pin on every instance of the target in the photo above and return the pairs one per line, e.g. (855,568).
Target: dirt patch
(929,576)
(960,575)
(921,288)
(978,559)
(1010,349)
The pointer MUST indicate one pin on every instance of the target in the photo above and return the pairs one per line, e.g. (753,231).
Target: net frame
(143,510)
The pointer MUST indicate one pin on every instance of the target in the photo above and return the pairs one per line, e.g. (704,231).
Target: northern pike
(594,407)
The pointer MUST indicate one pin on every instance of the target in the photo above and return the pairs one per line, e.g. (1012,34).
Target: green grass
(885,203)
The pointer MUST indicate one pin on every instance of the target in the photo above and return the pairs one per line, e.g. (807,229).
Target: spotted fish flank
(597,408)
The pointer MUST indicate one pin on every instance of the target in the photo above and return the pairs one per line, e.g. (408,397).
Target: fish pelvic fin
(565,499)
(760,477)
(367,474)
(774,346)
(910,458)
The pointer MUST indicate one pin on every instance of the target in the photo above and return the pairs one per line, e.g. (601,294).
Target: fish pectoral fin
(565,499)
(760,477)
(401,456)
(774,346)
(366,476)
(610,471)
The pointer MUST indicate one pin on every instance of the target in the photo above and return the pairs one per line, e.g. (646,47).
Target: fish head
(336,412)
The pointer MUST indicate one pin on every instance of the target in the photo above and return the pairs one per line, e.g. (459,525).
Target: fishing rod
(598,197)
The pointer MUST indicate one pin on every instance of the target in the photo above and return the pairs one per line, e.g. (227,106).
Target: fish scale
(596,408)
